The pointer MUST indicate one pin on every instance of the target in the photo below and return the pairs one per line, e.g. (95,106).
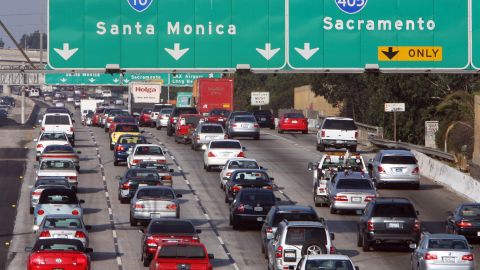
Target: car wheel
(230,221)
(333,210)
(280,131)
(178,213)
(365,244)
(158,127)
(305,131)
(146,261)
(236,224)
(111,146)
(315,200)
(133,222)
(169,132)
(209,168)
(313,247)
(115,163)
(321,147)
(106,129)
(31,210)
(272,127)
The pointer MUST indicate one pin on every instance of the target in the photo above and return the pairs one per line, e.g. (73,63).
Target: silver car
(154,202)
(163,118)
(46,183)
(206,132)
(64,226)
(394,166)
(236,164)
(243,126)
(57,201)
(442,252)
(350,191)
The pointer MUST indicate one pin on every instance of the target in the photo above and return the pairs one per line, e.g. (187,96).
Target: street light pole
(395,126)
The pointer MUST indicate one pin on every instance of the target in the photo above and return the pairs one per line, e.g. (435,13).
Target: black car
(134,178)
(388,220)
(174,116)
(246,179)
(465,220)
(8,101)
(125,142)
(265,118)
(285,212)
(251,206)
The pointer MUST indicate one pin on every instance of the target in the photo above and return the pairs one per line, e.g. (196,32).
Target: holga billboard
(146,93)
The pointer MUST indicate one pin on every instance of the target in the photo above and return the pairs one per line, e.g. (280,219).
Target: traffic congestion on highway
(113,189)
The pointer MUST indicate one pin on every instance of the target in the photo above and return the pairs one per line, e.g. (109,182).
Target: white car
(235,164)
(337,132)
(59,122)
(145,152)
(59,167)
(326,261)
(49,138)
(219,151)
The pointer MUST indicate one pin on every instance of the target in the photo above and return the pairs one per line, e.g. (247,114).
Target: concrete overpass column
(7,90)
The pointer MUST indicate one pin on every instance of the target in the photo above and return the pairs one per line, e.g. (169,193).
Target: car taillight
(369,198)
(72,178)
(468,257)
(120,148)
(37,260)
(228,174)
(464,224)
(380,169)
(126,185)
(323,133)
(79,261)
(37,192)
(356,134)
(139,205)
(167,177)
(172,206)
(75,212)
(429,256)
(45,234)
(278,252)
(416,170)
(236,188)
(255,125)
(332,250)
(269,230)
(42,129)
(39,145)
(151,242)
(241,154)
(370,226)
(233,125)
(71,129)
(162,161)
(80,234)
(40,212)
(135,161)
(267,187)
(211,154)
(340,198)
(416,227)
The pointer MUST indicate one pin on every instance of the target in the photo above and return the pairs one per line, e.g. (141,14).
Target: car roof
(255,190)
(61,216)
(225,140)
(305,223)
(339,118)
(396,152)
(248,170)
(147,144)
(384,200)
(292,208)
(241,159)
(445,236)
(351,175)
(57,159)
(327,256)
(156,187)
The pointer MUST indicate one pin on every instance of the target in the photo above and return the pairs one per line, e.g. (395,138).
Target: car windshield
(166,111)
(62,223)
(127,128)
(171,227)
(399,160)
(252,198)
(325,264)
(182,251)
(299,235)
(394,210)
(470,211)
(245,119)
(294,115)
(225,144)
(212,129)
(294,216)
(448,244)
(240,164)
(132,140)
(57,165)
(61,149)
(58,244)
(250,176)
(124,120)
(354,184)
(57,120)
(338,161)
(155,194)
(53,137)
(149,150)
(142,174)
(339,124)
(58,199)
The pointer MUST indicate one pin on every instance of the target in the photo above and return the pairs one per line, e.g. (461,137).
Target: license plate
(294,121)
(142,185)
(156,215)
(259,218)
(258,209)
(339,141)
(448,259)
(226,154)
(289,255)
(220,119)
(57,268)
(399,170)
(394,225)
(356,199)
(245,125)
(60,236)
(263,119)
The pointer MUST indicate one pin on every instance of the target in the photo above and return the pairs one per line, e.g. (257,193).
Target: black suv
(251,206)
(285,212)
(388,220)
(174,116)
(265,118)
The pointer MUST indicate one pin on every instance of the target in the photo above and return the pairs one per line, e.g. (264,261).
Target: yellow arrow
(410,53)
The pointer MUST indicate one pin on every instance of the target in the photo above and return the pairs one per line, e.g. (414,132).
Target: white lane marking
(103,177)
(236,266)
(98,155)
(101,165)
(188,182)
(110,211)
(119,261)
(96,148)
(207,216)
(196,198)
(179,168)
(220,240)
(280,191)
(106,194)
(114,233)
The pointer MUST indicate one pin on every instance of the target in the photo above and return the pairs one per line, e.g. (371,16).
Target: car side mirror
(271,178)
(211,257)
(88,227)
(412,246)
(35,140)
(88,250)
(172,170)
(28,249)
(81,201)
(198,231)
(317,126)
(179,195)
(418,213)
(244,148)
(332,236)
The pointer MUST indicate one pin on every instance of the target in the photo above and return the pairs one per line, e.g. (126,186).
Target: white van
(337,132)
(34,93)
(59,122)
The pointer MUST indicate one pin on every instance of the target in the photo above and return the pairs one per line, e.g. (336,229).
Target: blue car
(120,150)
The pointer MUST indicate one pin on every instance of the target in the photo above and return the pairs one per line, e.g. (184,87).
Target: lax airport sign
(264,35)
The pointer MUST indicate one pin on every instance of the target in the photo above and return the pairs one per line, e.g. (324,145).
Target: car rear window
(119,113)
(58,199)
(294,115)
(470,211)
(399,160)
(155,194)
(153,165)
(57,165)
(46,181)
(262,113)
(132,140)
(240,164)
(124,120)
(447,244)
(212,129)
(294,216)
(143,174)
(339,124)
(225,144)
(326,264)
(149,150)
(191,120)
(394,210)
(174,227)
(257,197)
(62,223)
(166,111)
(58,244)
(60,149)
(247,119)
(253,176)
(57,120)
(299,235)
(219,113)
(354,184)
(182,251)
(127,128)
(53,137)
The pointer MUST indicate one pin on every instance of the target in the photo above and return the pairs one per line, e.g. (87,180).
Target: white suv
(295,239)
(337,132)
(59,122)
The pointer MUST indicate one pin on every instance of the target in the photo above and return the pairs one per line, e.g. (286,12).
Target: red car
(58,253)
(293,122)
(218,116)
(144,120)
(174,256)
(166,230)
(184,127)
(96,117)
(121,119)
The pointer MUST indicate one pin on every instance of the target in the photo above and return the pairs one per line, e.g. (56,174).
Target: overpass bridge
(12,62)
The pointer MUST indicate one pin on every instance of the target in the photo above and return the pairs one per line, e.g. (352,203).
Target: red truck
(209,94)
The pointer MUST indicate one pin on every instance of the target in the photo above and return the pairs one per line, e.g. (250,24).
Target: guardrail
(425,150)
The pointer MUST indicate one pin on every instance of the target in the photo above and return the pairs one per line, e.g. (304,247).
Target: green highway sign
(179,79)
(476,34)
(395,34)
(167,34)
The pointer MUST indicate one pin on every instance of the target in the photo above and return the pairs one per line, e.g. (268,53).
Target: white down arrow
(306,52)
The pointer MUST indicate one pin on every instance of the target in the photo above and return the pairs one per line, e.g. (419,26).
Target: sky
(22,17)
